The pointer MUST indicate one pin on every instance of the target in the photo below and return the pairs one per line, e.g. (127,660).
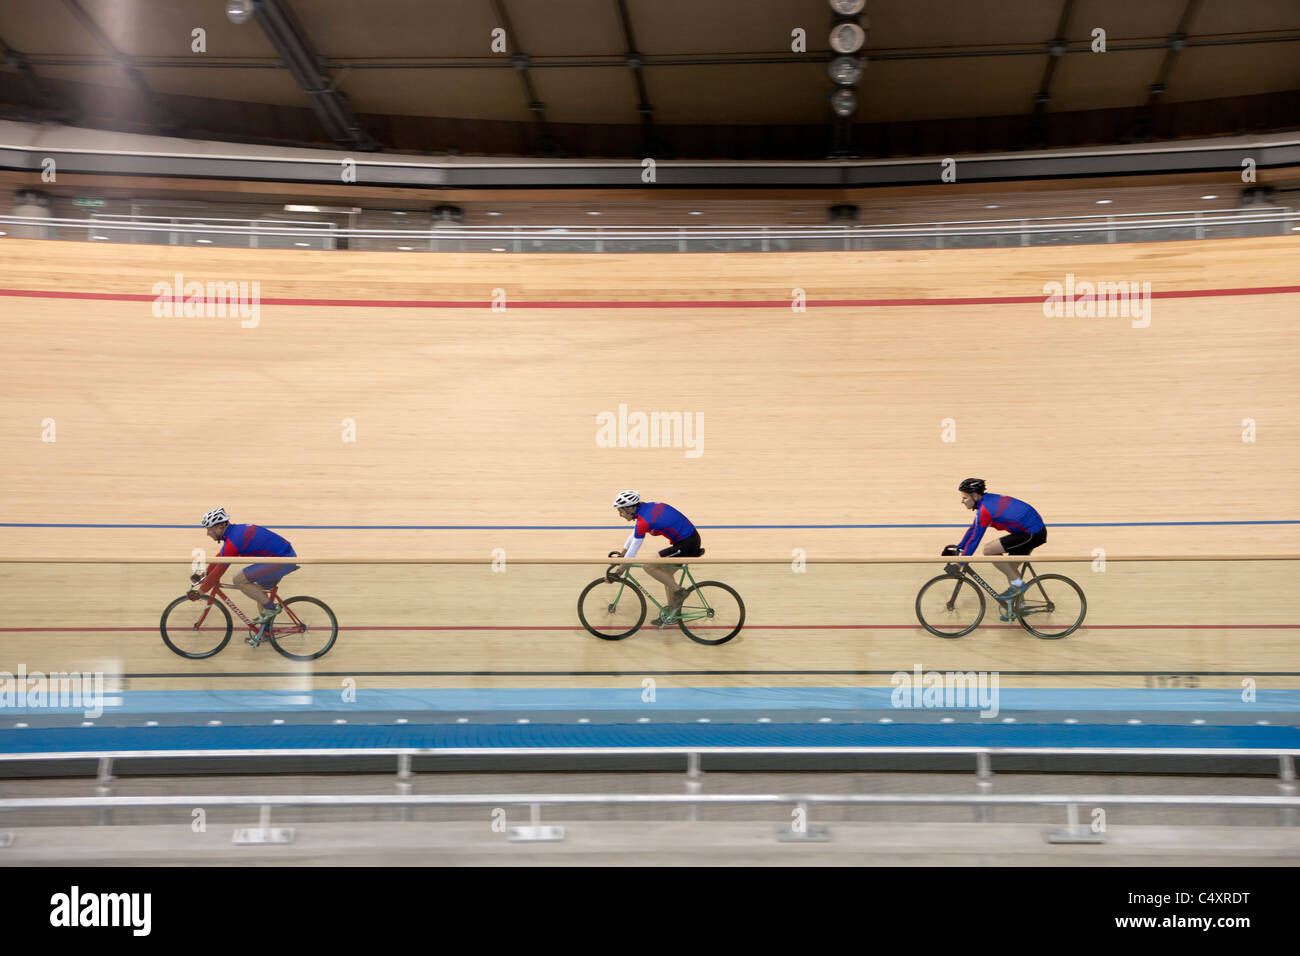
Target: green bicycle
(614,607)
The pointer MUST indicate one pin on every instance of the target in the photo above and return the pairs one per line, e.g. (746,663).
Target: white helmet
(215,516)
(626,499)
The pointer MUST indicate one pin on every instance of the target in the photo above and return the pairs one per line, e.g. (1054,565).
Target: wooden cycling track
(813,421)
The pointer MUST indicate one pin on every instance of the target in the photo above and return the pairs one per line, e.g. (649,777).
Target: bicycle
(1051,607)
(614,607)
(303,624)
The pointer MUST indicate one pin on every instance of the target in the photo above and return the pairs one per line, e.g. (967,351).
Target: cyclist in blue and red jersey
(1026,527)
(247,540)
(663,520)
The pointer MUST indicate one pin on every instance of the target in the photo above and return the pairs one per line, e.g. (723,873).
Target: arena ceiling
(675,78)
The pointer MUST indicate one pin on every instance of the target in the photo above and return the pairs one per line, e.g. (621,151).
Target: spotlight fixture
(846,70)
(844,102)
(848,8)
(847,37)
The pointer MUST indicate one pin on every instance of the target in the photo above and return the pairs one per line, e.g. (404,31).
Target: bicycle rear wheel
(195,629)
(949,606)
(305,630)
(1052,607)
(611,611)
(711,613)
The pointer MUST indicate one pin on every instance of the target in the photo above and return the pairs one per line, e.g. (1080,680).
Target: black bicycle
(1051,607)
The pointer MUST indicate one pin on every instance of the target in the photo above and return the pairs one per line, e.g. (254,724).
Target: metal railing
(1286,803)
(1120,227)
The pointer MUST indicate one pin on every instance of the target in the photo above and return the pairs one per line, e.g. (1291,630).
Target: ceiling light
(847,38)
(1211,196)
(238,11)
(848,8)
(695,212)
(593,213)
(206,242)
(498,249)
(300,244)
(3,234)
(99,237)
(1104,202)
(992,205)
(494,214)
(844,102)
(398,213)
(404,248)
(341,210)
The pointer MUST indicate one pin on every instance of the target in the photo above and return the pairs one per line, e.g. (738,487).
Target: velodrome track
(823,431)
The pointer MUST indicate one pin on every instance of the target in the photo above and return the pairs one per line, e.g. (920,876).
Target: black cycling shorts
(1022,542)
(685,548)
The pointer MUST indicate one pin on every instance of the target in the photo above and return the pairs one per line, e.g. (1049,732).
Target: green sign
(87,202)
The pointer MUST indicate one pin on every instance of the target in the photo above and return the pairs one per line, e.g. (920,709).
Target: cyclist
(1006,514)
(252,541)
(665,521)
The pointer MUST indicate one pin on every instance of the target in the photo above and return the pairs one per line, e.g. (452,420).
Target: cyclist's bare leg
(666,575)
(1011,570)
(259,595)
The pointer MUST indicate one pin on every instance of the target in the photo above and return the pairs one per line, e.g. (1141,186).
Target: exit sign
(87,202)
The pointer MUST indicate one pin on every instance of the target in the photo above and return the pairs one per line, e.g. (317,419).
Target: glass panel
(1157,640)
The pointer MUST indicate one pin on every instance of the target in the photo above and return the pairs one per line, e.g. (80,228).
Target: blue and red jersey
(246,540)
(663,520)
(1004,513)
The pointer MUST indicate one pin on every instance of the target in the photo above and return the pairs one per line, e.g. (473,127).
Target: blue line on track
(601,527)
(308,736)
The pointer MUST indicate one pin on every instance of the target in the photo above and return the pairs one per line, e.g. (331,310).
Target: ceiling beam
(330,105)
(154,116)
(1056,48)
(636,62)
(520,60)
(1175,43)
(45,100)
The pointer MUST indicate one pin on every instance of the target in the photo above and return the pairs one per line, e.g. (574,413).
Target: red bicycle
(304,630)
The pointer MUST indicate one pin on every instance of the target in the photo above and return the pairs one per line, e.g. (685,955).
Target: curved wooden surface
(1126,439)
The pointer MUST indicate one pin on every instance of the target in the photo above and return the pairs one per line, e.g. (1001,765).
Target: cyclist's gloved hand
(194,594)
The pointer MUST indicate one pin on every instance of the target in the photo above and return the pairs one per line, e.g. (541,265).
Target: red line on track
(652,304)
(749,627)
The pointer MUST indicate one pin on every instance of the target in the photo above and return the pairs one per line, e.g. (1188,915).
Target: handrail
(672,751)
(1009,227)
(100,216)
(689,799)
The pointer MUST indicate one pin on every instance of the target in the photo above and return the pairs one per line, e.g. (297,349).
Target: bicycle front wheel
(949,606)
(305,630)
(1051,607)
(195,629)
(611,611)
(711,613)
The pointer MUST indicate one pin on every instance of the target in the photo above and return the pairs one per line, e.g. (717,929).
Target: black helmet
(974,486)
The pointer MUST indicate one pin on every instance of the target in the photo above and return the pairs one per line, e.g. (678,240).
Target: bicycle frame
(217,592)
(1026,571)
(626,578)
